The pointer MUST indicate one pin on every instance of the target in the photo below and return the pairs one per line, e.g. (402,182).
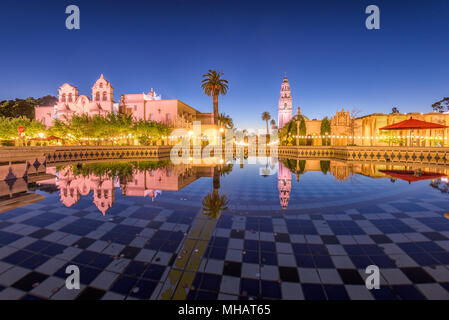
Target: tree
(8,127)
(302,130)
(112,127)
(79,126)
(441,106)
(122,169)
(213,86)
(266,117)
(226,121)
(325,166)
(59,129)
(290,129)
(149,131)
(354,114)
(273,123)
(325,129)
(24,107)
(296,166)
(394,110)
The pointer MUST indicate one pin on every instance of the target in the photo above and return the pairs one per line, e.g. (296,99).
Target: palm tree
(213,86)
(273,123)
(266,117)
(226,121)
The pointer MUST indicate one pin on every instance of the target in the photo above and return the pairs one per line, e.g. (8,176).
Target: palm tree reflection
(214,203)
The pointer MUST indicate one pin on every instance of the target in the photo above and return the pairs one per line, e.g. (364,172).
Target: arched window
(70,98)
(101,85)
(97,96)
(168,117)
(105,96)
(63,97)
(285,106)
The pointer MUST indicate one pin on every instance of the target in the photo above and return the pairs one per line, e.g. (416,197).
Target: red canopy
(413,124)
(410,176)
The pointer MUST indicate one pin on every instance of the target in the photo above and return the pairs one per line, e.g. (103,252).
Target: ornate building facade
(365,130)
(141,106)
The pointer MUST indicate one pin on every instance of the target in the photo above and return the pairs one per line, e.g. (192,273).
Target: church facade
(140,106)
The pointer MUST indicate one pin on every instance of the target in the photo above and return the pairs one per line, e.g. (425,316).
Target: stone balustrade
(61,154)
(405,155)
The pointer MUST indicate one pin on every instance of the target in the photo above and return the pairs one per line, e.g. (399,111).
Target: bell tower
(285,104)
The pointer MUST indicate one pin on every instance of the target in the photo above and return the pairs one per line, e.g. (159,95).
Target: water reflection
(214,203)
(138,179)
(344,171)
(150,179)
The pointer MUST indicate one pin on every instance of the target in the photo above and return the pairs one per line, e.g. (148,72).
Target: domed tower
(285,104)
(284,184)
(102,96)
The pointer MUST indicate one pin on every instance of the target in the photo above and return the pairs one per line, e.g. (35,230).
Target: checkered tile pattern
(313,250)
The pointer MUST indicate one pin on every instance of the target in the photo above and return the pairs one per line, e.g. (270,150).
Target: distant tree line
(441,106)
(24,107)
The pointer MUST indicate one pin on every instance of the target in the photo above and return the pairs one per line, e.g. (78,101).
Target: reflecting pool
(279,229)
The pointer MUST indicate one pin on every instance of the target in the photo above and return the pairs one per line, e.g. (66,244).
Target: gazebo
(414,124)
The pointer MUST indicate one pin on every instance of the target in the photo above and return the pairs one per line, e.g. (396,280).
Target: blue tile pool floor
(318,248)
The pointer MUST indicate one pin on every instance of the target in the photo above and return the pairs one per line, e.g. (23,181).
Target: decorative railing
(422,155)
(59,154)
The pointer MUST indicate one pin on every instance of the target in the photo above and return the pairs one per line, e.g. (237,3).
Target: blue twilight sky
(331,59)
